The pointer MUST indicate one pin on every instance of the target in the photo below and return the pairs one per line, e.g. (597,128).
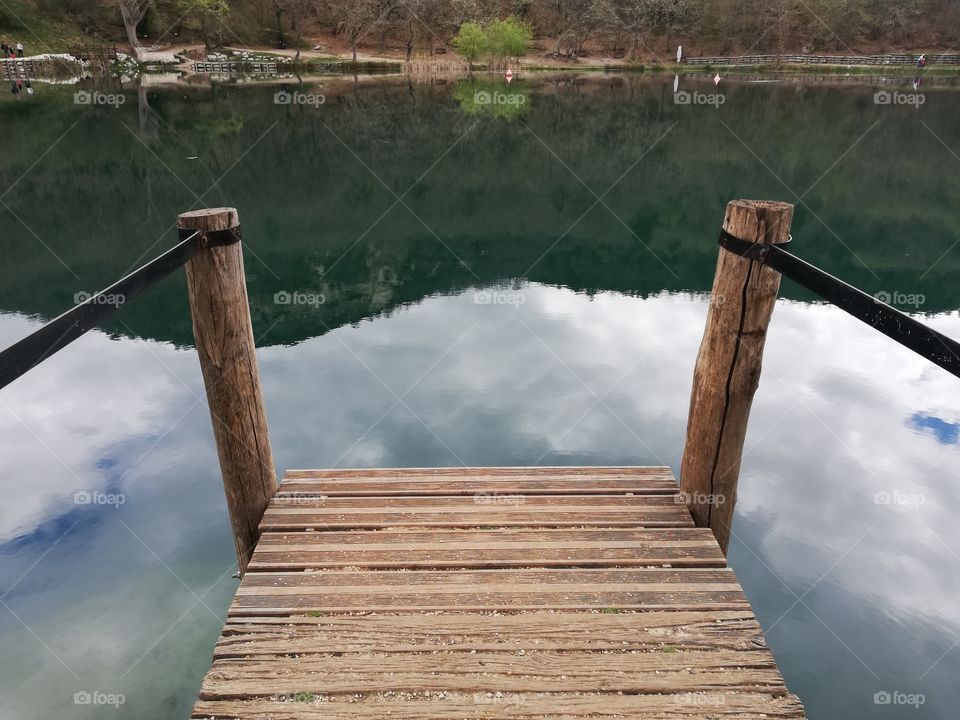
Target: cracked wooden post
(728,366)
(224,337)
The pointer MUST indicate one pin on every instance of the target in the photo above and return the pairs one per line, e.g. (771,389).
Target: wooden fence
(228,67)
(90,52)
(21,69)
(877,60)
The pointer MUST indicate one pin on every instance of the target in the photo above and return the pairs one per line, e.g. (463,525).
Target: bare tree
(298,10)
(133,12)
(590,17)
(358,18)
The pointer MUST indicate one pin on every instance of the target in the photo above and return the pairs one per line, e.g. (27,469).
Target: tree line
(640,29)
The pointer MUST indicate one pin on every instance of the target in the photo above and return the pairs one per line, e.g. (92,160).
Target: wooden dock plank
(691,630)
(688,547)
(482,706)
(481,501)
(468,593)
(309,513)
(540,671)
(529,481)
(644,474)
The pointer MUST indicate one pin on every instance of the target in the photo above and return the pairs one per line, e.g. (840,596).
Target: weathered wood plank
(534,555)
(517,706)
(291,519)
(295,503)
(540,671)
(651,471)
(512,600)
(399,595)
(305,513)
(489,549)
(375,590)
(249,637)
(505,486)
(458,481)
(403,537)
(646,577)
(466,520)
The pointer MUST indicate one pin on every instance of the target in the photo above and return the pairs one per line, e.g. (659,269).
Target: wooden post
(728,366)
(225,344)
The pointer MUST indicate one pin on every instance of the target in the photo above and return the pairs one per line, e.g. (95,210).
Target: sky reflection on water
(844,540)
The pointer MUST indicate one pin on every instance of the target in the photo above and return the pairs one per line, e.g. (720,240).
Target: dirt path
(169,54)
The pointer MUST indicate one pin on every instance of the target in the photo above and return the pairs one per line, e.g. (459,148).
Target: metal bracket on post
(212,238)
(749,250)
(870,309)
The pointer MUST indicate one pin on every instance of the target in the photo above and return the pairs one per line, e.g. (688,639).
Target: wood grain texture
(644,474)
(469,481)
(568,631)
(225,345)
(573,547)
(728,366)
(500,618)
(485,508)
(516,706)
(487,671)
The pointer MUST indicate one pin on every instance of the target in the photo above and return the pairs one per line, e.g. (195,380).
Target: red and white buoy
(509,75)
(716,80)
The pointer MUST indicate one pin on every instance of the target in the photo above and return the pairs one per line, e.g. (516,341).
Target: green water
(587,214)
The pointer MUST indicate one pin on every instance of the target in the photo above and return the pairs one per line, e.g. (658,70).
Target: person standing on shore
(19,48)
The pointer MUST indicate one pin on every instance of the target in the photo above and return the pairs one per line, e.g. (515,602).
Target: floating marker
(716,80)
(509,74)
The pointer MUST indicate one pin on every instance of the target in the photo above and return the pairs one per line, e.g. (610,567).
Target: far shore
(176,64)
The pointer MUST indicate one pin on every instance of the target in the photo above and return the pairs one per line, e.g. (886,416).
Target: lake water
(512,282)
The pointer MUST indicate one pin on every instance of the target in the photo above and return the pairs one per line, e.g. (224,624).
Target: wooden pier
(473,593)
(489,592)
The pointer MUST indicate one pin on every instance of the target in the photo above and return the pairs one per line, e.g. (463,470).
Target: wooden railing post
(728,366)
(225,344)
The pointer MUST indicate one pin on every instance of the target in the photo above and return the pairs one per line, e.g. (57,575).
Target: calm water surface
(516,282)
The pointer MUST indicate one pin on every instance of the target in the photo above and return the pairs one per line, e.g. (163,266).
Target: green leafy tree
(498,40)
(509,38)
(471,42)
